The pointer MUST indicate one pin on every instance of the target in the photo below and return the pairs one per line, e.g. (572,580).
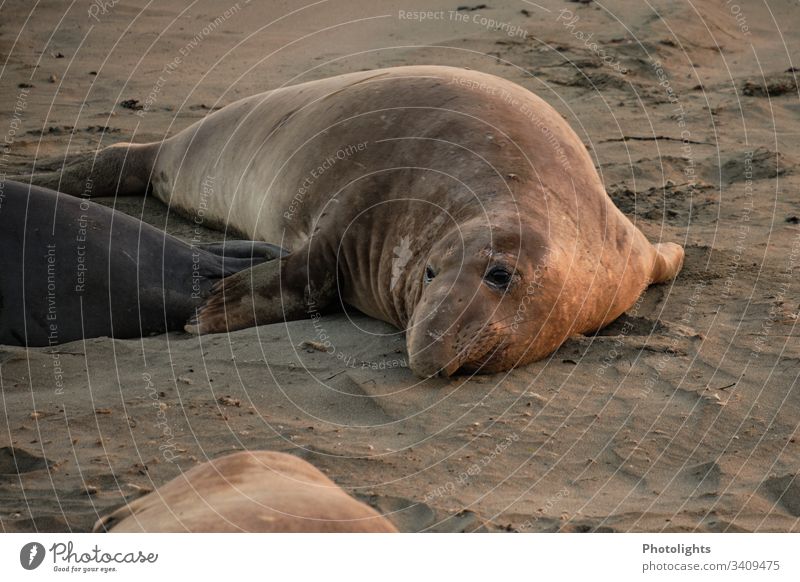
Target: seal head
(476,311)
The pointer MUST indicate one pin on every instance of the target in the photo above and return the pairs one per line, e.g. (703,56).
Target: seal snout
(429,354)
(431,350)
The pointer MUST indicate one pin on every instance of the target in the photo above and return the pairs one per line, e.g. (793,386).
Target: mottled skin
(72,269)
(252,491)
(467,177)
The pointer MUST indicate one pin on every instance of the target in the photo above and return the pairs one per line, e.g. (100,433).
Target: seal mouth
(477,360)
(449,370)
(431,369)
(483,363)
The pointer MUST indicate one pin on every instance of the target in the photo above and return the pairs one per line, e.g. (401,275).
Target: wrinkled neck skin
(407,283)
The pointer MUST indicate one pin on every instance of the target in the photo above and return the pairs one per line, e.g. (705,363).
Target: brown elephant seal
(250,491)
(456,205)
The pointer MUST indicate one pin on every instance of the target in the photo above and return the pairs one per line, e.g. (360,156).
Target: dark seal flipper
(73,269)
(238,255)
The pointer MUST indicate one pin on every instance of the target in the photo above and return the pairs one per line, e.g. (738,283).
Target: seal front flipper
(278,290)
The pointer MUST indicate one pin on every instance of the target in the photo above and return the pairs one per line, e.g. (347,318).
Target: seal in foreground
(453,204)
(250,491)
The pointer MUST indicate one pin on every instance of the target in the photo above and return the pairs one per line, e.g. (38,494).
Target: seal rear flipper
(121,169)
(668,262)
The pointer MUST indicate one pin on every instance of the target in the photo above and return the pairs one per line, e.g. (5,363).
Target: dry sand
(681,416)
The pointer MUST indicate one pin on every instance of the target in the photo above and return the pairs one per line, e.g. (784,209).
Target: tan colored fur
(254,491)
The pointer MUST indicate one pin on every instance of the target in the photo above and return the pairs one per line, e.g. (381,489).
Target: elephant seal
(249,491)
(73,269)
(453,204)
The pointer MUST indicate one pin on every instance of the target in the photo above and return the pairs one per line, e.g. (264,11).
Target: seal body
(73,269)
(456,205)
(251,491)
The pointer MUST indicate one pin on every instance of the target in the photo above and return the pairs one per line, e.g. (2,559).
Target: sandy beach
(683,415)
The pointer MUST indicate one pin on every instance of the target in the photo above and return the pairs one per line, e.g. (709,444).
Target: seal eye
(499,277)
(429,274)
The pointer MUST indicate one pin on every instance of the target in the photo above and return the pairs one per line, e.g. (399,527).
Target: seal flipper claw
(222,309)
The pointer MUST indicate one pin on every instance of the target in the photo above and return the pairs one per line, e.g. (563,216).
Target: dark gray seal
(72,269)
